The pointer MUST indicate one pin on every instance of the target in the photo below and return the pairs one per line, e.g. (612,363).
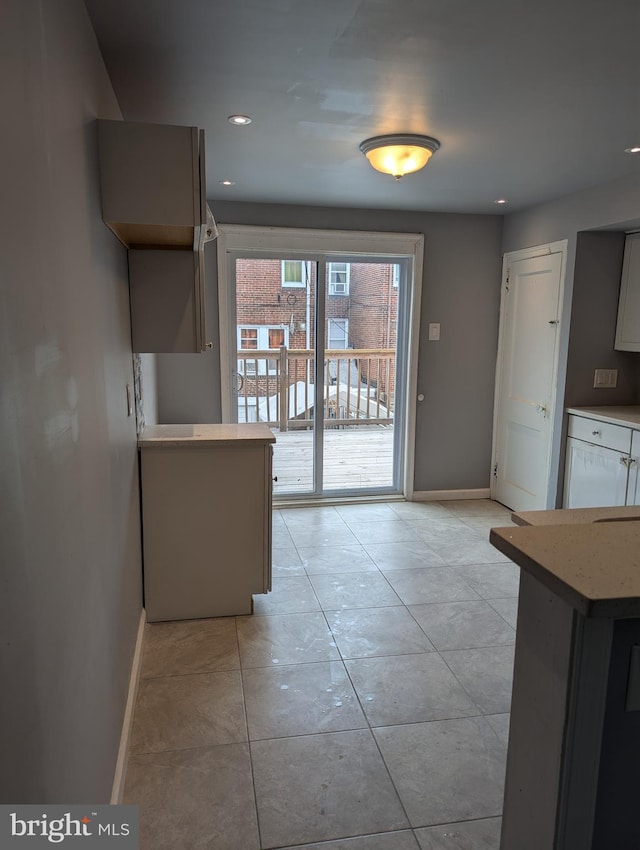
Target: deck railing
(277,386)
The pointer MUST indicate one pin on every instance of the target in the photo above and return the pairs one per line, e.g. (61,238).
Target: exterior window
(339,278)
(260,338)
(248,338)
(294,273)
(337,333)
(395,275)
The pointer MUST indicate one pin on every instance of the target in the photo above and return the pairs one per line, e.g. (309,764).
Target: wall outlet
(605,378)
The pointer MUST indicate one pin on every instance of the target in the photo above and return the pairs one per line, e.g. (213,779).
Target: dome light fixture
(399,154)
(501,201)
(634,149)
(239,120)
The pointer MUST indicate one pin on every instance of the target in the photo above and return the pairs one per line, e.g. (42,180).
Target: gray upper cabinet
(628,326)
(166,291)
(153,184)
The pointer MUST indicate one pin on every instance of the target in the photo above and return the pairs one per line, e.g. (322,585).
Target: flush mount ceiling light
(239,120)
(634,149)
(399,154)
(501,201)
(227,182)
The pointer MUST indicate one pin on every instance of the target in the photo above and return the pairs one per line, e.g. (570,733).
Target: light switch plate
(434,330)
(605,378)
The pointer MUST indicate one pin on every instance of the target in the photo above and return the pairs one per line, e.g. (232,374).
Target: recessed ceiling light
(501,201)
(227,182)
(239,120)
(634,149)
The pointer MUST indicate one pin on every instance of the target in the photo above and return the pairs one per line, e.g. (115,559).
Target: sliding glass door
(318,340)
(322,365)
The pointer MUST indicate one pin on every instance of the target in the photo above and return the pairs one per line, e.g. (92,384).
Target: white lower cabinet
(206,519)
(595,478)
(601,467)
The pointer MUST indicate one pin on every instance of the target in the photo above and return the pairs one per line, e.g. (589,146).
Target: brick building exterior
(275,306)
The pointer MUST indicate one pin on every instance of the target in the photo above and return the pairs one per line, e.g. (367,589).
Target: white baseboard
(121,763)
(447,495)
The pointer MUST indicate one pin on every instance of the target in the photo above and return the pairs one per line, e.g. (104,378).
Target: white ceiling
(530,101)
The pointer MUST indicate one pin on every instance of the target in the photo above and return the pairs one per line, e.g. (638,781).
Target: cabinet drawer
(600,433)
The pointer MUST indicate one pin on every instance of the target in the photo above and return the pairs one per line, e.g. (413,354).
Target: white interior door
(526,380)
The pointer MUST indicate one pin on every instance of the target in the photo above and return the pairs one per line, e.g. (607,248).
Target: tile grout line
(249,749)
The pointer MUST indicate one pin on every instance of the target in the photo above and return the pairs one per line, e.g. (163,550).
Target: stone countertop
(200,436)
(576,515)
(627,415)
(594,567)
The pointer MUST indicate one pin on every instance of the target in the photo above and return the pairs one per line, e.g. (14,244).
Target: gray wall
(189,384)
(596,290)
(592,288)
(615,207)
(70,586)
(460,289)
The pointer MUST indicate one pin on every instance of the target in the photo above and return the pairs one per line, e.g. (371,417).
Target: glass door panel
(360,373)
(275,362)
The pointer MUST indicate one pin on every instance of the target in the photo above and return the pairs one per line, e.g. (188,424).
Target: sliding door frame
(312,244)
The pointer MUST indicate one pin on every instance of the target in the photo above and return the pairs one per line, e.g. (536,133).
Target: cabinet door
(150,176)
(633,486)
(167,303)
(594,476)
(628,326)
(204,512)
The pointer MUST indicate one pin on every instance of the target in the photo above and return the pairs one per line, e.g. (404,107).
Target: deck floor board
(354,458)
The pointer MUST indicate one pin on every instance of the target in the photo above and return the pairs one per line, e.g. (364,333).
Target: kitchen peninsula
(573,765)
(206,515)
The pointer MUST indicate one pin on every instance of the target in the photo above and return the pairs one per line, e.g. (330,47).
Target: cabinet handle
(597,433)
(625,461)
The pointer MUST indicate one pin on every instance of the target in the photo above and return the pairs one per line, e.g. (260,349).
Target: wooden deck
(355,458)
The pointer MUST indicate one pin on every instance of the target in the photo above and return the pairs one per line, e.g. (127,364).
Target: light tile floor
(364,705)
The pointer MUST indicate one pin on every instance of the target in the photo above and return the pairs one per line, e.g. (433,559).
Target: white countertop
(172,436)
(576,515)
(594,567)
(623,414)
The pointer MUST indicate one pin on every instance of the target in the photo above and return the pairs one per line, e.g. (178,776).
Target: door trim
(309,243)
(559,369)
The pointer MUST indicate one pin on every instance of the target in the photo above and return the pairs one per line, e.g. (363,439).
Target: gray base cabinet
(206,512)
(573,763)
